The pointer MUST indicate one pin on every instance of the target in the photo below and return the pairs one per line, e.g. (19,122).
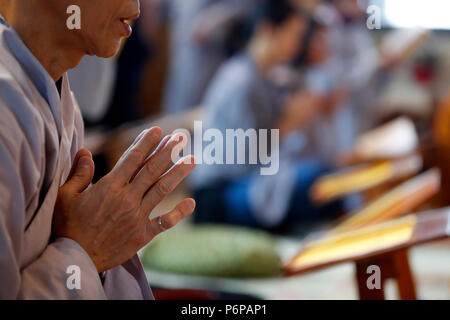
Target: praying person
(52,220)
(318,79)
(242,97)
(198,46)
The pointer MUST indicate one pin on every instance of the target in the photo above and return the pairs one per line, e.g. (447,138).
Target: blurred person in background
(313,66)
(242,96)
(199,30)
(356,63)
(93,81)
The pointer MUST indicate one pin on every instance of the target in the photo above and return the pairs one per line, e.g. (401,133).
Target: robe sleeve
(52,276)
(47,276)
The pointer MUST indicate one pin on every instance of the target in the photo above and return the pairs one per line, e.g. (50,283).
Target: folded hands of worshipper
(110,219)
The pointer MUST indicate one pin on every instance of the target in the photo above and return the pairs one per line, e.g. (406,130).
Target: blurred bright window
(429,14)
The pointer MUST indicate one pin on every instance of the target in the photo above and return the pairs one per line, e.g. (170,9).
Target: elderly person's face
(102,24)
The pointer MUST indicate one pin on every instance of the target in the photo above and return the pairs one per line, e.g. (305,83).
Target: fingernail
(155,131)
(189,205)
(84,162)
(193,204)
(177,137)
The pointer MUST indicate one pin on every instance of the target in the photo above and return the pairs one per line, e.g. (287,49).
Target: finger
(167,183)
(162,144)
(184,209)
(80,153)
(132,146)
(157,165)
(138,138)
(135,157)
(83,173)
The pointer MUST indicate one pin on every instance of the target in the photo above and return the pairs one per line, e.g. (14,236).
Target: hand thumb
(82,174)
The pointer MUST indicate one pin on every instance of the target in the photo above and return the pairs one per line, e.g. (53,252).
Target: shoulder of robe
(19,114)
(21,130)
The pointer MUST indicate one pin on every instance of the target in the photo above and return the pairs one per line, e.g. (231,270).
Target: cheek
(100,33)
(108,38)
(104,44)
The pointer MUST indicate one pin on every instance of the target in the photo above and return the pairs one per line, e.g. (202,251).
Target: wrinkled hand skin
(110,219)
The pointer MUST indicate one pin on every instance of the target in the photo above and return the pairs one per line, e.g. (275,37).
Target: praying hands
(110,220)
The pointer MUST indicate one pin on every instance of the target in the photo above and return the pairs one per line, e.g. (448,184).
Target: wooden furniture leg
(393,265)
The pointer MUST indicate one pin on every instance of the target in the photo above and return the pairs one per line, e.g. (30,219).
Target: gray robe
(40,133)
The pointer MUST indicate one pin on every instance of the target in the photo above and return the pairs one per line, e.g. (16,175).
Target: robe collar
(34,70)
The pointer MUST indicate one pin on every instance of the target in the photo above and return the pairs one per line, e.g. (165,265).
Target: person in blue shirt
(243,96)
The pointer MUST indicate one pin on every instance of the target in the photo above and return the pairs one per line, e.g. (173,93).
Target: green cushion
(214,251)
